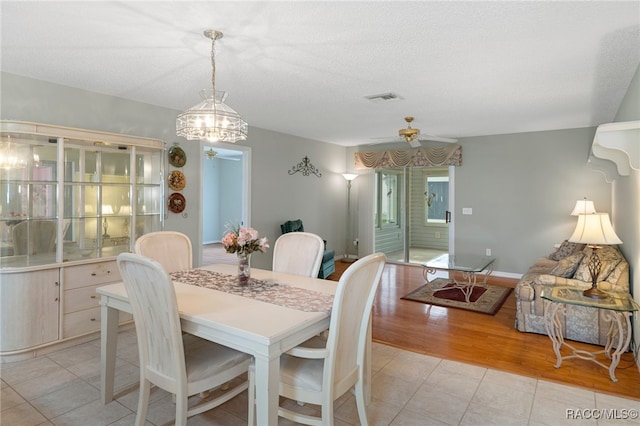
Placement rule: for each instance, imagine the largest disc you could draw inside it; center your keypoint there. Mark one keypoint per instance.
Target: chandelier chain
(213, 65)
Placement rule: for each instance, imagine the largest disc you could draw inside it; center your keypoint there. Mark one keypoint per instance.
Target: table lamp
(106, 210)
(583, 206)
(594, 230)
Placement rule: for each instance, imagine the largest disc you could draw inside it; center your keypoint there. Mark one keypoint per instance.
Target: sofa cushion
(566, 249)
(567, 267)
(609, 256)
(542, 266)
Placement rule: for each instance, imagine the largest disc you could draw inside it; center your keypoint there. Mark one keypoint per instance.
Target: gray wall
(276, 196)
(522, 188)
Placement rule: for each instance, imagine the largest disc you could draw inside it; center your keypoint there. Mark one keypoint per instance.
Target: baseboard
(506, 275)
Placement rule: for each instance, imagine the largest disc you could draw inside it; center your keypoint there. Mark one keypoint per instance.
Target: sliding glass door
(412, 213)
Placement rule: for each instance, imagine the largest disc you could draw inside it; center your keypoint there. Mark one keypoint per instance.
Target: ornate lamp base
(595, 293)
(594, 268)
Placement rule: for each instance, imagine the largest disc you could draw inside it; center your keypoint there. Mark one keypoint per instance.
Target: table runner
(270, 292)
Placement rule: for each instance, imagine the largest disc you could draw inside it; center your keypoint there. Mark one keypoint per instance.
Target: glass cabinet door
(149, 187)
(28, 198)
(107, 193)
(97, 206)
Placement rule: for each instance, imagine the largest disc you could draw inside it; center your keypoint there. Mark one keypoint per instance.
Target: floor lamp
(349, 177)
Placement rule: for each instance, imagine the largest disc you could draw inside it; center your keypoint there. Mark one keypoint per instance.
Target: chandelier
(212, 119)
(12, 156)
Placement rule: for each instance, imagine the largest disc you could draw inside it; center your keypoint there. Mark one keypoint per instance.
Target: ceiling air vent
(383, 97)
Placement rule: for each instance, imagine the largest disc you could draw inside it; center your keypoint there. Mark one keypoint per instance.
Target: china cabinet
(71, 200)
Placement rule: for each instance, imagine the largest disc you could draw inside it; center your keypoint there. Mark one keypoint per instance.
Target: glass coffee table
(618, 308)
(469, 265)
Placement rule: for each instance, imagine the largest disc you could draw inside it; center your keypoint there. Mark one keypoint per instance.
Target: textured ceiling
(304, 68)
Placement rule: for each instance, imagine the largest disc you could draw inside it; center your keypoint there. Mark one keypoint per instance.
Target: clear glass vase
(244, 268)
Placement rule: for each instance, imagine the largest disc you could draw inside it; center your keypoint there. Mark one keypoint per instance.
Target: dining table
(271, 314)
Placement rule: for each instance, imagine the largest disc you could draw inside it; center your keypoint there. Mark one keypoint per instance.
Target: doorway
(412, 216)
(225, 191)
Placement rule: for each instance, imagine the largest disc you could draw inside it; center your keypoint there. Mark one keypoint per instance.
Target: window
(387, 198)
(436, 198)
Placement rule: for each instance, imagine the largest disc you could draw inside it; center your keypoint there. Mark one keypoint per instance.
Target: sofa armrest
(547, 279)
(524, 292)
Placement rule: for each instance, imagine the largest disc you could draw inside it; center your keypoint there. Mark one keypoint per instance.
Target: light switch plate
(467, 210)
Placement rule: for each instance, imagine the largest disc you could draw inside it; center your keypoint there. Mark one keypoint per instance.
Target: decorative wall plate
(177, 157)
(177, 203)
(176, 180)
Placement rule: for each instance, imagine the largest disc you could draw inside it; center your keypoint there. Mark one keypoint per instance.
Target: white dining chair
(171, 249)
(298, 253)
(183, 365)
(320, 370)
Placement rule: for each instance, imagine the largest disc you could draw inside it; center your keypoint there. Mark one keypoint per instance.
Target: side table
(618, 308)
(470, 265)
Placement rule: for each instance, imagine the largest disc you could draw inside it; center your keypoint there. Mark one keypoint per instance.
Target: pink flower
(229, 239)
(264, 244)
(244, 240)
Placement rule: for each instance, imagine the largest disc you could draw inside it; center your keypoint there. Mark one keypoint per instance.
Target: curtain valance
(446, 155)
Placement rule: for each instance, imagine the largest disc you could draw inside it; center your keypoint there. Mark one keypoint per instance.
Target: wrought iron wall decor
(305, 167)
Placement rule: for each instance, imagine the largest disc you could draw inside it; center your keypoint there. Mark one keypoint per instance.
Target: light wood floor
(484, 340)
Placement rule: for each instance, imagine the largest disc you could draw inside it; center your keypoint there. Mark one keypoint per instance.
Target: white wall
(626, 212)
(210, 201)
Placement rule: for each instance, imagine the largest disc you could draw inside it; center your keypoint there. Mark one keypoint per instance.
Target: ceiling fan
(412, 136)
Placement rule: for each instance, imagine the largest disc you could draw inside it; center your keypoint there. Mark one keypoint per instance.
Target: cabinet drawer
(82, 298)
(90, 274)
(86, 321)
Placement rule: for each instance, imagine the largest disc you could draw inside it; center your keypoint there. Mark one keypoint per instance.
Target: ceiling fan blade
(434, 138)
(381, 140)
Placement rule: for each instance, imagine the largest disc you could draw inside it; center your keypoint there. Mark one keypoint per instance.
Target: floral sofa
(567, 266)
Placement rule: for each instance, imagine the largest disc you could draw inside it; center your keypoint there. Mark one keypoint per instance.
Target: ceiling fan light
(409, 133)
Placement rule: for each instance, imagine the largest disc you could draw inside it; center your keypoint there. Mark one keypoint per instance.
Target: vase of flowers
(243, 242)
(244, 268)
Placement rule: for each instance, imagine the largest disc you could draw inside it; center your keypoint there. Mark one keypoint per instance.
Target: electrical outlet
(467, 210)
(488, 252)
(437, 235)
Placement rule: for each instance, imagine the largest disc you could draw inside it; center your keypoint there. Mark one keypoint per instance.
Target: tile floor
(62, 388)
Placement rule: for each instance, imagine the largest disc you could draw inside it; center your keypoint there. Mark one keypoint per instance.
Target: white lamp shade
(349, 176)
(594, 229)
(583, 207)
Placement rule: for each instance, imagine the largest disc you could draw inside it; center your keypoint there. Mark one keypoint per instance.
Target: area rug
(485, 300)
